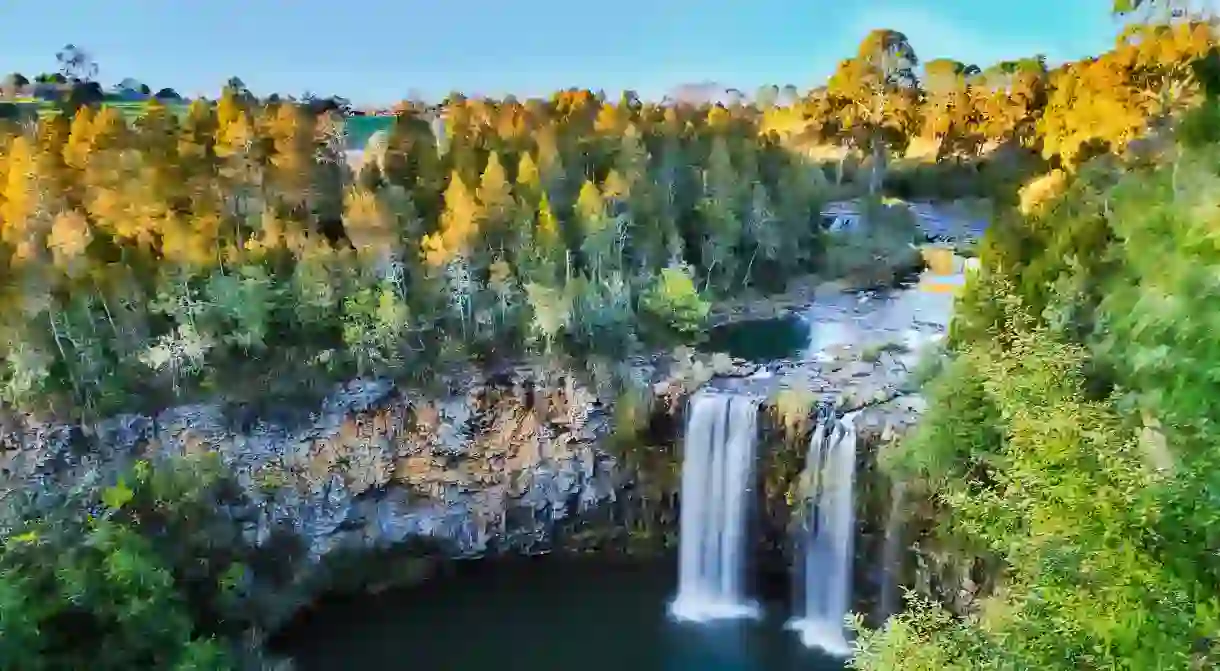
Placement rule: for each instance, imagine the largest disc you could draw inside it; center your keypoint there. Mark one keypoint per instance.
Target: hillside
(1069, 452)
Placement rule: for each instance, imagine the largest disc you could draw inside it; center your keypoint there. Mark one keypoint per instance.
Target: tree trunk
(876, 171)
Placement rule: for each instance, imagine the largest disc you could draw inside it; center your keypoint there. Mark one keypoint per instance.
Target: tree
(291, 182)
(1009, 98)
(75, 64)
(949, 117)
(766, 239)
(595, 228)
(496, 202)
(549, 250)
(238, 89)
(721, 216)
(413, 161)
(130, 84)
(528, 185)
(151, 580)
(459, 225)
(674, 301)
(237, 149)
(790, 95)
(372, 225)
(767, 96)
(14, 85)
(875, 94)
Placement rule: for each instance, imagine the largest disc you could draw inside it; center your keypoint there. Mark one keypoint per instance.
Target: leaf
(117, 496)
(30, 536)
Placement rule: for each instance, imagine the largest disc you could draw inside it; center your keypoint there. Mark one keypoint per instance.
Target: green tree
(150, 581)
(721, 218)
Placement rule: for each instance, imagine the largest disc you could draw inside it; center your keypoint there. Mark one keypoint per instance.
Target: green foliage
(1059, 488)
(1071, 435)
(242, 306)
(959, 430)
(674, 302)
(552, 311)
(117, 496)
(882, 249)
(375, 323)
(926, 638)
(602, 318)
(150, 580)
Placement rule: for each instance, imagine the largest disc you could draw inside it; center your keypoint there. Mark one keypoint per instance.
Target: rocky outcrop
(525, 460)
(496, 466)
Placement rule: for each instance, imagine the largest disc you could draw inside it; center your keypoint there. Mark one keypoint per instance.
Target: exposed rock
(524, 461)
(492, 468)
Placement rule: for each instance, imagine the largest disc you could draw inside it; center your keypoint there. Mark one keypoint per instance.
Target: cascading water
(717, 478)
(830, 531)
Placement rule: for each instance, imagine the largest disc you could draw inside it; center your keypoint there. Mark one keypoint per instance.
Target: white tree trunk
(876, 171)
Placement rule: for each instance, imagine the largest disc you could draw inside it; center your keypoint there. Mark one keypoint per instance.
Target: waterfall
(830, 529)
(717, 481)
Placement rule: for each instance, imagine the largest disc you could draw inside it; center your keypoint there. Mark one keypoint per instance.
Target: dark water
(760, 340)
(539, 615)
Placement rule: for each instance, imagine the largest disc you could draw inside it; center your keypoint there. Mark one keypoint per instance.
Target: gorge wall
(377, 484)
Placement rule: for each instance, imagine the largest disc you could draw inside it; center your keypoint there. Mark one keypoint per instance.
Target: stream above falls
(904, 319)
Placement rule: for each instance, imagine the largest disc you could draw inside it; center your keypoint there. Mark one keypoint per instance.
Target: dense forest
(1069, 435)
(1070, 441)
(165, 256)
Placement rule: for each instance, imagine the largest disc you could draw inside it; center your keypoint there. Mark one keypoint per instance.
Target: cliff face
(493, 467)
(523, 461)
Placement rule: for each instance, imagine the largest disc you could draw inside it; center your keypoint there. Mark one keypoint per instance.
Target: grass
(130, 109)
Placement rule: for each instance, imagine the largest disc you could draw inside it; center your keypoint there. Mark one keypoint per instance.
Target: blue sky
(376, 51)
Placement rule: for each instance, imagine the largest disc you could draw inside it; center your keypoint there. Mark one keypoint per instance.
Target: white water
(827, 580)
(717, 484)
(915, 317)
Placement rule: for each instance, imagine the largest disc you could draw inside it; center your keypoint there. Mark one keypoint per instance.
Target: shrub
(880, 252)
(675, 305)
(1058, 487)
(1072, 435)
(148, 578)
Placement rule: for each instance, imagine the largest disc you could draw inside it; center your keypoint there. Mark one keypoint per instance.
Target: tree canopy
(168, 252)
